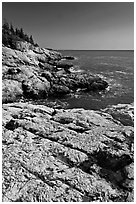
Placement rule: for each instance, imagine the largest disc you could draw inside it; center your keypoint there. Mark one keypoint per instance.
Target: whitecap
(121, 72)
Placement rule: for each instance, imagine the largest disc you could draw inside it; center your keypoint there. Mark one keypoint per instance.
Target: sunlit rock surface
(66, 155)
(37, 73)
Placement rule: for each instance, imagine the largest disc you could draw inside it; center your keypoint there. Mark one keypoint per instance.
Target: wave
(121, 72)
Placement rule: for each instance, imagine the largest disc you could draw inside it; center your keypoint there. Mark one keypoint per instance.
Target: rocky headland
(32, 73)
(69, 155)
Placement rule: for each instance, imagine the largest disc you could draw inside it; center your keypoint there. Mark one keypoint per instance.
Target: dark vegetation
(11, 35)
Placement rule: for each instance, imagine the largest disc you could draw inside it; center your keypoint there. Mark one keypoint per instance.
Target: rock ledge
(69, 155)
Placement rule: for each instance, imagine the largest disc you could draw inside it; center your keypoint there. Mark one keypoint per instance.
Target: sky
(75, 25)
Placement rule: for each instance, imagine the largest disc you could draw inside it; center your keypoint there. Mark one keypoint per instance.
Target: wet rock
(46, 158)
(59, 90)
(98, 85)
(64, 65)
(85, 82)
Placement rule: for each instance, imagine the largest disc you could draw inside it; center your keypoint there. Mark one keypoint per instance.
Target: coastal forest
(10, 35)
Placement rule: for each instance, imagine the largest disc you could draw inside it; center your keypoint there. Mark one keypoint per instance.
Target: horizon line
(92, 50)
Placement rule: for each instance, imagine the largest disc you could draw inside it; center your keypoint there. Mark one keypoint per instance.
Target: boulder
(35, 88)
(59, 90)
(64, 65)
(98, 85)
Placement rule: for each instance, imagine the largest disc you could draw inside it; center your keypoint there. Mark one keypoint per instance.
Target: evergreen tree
(11, 35)
(17, 32)
(26, 38)
(5, 33)
(21, 33)
(5, 25)
(12, 29)
(31, 40)
(5, 39)
(36, 45)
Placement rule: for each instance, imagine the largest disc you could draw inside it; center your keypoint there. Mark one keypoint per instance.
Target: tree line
(10, 35)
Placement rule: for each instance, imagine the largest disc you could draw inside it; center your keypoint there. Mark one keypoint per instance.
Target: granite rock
(122, 112)
(73, 155)
(39, 73)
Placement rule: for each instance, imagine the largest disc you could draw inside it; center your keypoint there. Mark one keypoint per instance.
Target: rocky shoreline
(61, 155)
(33, 73)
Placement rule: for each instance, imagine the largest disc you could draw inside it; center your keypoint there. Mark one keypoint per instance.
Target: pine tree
(21, 33)
(17, 32)
(11, 35)
(5, 33)
(5, 39)
(26, 38)
(5, 25)
(5, 29)
(31, 39)
(12, 29)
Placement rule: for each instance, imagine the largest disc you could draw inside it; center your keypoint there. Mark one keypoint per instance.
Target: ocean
(116, 67)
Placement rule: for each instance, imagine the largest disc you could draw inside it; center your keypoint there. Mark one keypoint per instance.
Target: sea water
(115, 67)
